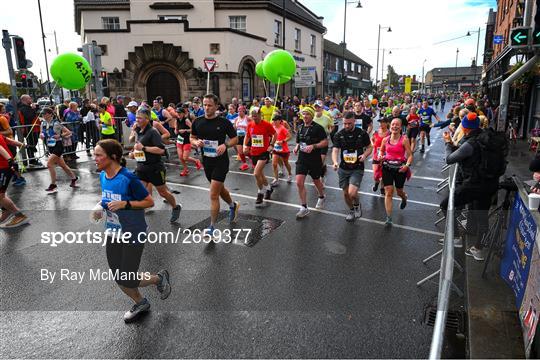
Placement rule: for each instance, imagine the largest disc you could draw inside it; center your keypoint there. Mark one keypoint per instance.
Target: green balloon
(279, 66)
(259, 69)
(71, 71)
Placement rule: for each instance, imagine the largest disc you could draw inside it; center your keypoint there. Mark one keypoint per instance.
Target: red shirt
(282, 134)
(260, 135)
(4, 162)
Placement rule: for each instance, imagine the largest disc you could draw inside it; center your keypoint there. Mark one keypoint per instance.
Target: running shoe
(136, 311)
(320, 203)
(350, 216)
(233, 212)
(280, 173)
(268, 194)
(458, 243)
(375, 187)
(358, 211)
(388, 221)
(164, 286)
(428, 141)
(477, 254)
(289, 179)
(302, 213)
(382, 190)
(198, 165)
(53, 188)
(176, 213)
(14, 221)
(209, 231)
(244, 167)
(403, 204)
(74, 182)
(260, 197)
(4, 215)
(184, 172)
(274, 183)
(19, 181)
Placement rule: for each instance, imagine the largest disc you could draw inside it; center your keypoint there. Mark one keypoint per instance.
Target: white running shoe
(320, 203)
(302, 213)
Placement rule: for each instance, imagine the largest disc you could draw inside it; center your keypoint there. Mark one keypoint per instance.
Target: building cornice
(81, 6)
(171, 5)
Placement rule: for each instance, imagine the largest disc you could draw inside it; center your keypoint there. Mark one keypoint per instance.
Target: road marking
(405, 227)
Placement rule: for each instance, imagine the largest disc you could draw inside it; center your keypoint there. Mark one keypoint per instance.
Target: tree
(5, 89)
(393, 77)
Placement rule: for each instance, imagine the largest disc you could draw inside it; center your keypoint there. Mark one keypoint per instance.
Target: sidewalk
(493, 324)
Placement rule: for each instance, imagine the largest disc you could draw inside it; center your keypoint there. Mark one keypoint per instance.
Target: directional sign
(498, 39)
(209, 64)
(519, 37)
(536, 37)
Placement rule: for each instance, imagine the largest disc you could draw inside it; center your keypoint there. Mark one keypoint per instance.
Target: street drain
(455, 320)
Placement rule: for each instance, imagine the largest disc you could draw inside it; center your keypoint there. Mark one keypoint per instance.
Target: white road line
(405, 227)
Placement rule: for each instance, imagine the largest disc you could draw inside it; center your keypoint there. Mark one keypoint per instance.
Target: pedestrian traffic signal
(24, 81)
(20, 52)
(104, 80)
(519, 37)
(536, 30)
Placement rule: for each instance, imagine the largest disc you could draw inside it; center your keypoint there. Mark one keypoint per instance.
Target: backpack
(493, 152)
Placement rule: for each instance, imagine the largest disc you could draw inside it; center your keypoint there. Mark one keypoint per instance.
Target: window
(345, 64)
(359, 69)
(277, 32)
(172, 17)
(214, 49)
(110, 23)
(103, 49)
(312, 46)
(337, 64)
(238, 23)
(247, 84)
(352, 67)
(297, 36)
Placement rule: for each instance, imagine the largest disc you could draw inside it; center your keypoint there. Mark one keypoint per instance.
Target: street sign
(498, 39)
(519, 37)
(536, 37)
(209, 64)
(305, 77)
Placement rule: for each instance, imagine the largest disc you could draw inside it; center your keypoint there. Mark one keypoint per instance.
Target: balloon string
(275, 100)
(265, 91)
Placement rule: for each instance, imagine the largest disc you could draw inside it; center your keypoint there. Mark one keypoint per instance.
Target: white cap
(132, 103)
(318, 103)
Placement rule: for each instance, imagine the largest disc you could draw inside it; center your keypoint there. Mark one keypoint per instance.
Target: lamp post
(455, 70)
(344, 44)
(476, 57)
(423, 79)
(389, 29)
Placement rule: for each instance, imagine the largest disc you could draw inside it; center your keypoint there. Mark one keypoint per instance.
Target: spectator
(7, 131)
(90, 123)
(132, 110)
(121, 114)
(62, 109)
(30, 132)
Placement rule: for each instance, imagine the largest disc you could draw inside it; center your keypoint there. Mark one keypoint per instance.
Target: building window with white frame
(277, 32)
(110, 22)
(237, 23)
(297, 37)
(345, 65)
(337, 64)
(312, 45)
(172, 17)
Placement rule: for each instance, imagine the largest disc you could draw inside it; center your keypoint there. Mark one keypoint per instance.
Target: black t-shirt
(182, 137)
(383, 105)
(309, 135)
(149, 137)
(366, 120)
(352, 145)
(210, 131)
(120, 111)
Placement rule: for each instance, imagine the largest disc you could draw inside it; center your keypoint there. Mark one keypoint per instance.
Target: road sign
(209, 64)
(536, 37)
(305, 77)
(519, 37)
(498, 39)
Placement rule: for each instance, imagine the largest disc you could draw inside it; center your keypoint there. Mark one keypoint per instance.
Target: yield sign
(209, 64)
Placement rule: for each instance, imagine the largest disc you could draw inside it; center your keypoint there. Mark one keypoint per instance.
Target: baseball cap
(268, 98)
(133, 103)
(318, 103)
(470, 121)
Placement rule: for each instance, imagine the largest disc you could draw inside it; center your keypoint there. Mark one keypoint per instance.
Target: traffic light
(104, 80)
(536, 29)
(24, 81)
(20, 53)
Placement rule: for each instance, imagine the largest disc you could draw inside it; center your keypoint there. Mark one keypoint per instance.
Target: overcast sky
(416, 26)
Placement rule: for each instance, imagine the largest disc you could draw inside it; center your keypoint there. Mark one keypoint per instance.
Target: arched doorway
(163, 83)
(247, 84)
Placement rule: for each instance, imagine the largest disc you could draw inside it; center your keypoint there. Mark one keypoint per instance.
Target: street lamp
(358, 6)
(389, 29)
(455, 71)
(382, 65)
(423, 79)
(476, 57)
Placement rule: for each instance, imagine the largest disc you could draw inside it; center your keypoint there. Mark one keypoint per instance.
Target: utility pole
(6, 42)
(45, 48)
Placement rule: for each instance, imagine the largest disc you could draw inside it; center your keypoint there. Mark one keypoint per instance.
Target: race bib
(350, 157)
(303, 146)
(180, 138)
(112, 221)
(278, 147)
(210, 148)
(358, 123)
(139, 155)
(257, 141)
(51, 142)
(241, 132)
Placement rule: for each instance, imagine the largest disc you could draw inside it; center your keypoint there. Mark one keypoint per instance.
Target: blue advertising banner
(520, 238)
(497, 39)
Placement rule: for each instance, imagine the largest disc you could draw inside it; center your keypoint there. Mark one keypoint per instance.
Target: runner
(209, 133)
(11, 215)
(363, 120)
(281, 150)
(52, 132)
(241, 124)
(311, 137)
(232, 114)
(259, 143)
(147, 151)
(328, 125)
(413, 125)
(106, 122)
(183, 145)
(164, 118)
(336, 116)
(267, 110)
(354, 147)
(376, 141)
(124, 199)
(426, 124)
(396, 162)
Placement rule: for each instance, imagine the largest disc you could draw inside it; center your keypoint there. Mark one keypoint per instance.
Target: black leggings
(126, 259)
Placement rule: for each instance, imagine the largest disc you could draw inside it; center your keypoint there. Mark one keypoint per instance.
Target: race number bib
(210, 148)
(303, 146)
(278, 147)
(257, 141)
(112, 221)
(241, 132)
(358, 123)
(139, 155)
(179, 139)
(51, 142)
(350, 157)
